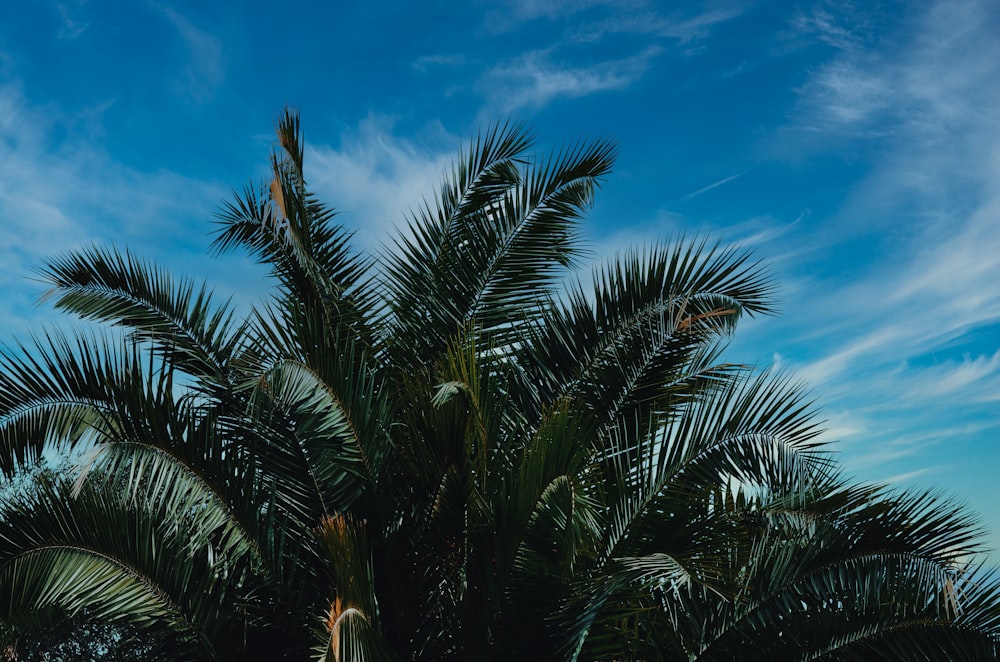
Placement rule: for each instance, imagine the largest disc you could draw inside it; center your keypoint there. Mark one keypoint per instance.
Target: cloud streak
(539, 77)
(374, 177)
(526, 10)
(205, 68)
(534, 79)
(71, 26)
(891, 332)
(60, 191)
(713, 185)
(680, 28)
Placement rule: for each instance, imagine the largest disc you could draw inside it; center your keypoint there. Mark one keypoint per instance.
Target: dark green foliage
(446, 452)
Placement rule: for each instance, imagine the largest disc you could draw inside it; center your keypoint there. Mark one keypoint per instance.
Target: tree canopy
(456, 448)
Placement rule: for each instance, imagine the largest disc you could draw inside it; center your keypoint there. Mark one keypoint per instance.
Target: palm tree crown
(446, 451)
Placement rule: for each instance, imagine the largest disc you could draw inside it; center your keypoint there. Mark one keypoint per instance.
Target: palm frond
(98, 553)
(182, 321)
(495, 227)
(652, 313)
(320, 392)
(61, 391)
(285, 226)
(351, 623)
(754, 430)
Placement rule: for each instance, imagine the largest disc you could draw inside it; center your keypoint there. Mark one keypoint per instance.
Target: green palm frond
(290, 395)
(352, 639)
(317, 390)
(521, 245)
(174, 477)
(560, 448)
(486, 261)
(119, 562)
(287, 228)
(850, 567)
(183, 322)
(65, 392)
(351, 622)
(488, 170)
(753, 430)
(651, 314)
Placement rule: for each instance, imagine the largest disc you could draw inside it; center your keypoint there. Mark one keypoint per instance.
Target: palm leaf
(57, 551)
(183, 322)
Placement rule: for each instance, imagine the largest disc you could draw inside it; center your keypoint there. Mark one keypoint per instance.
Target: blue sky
(855, 150)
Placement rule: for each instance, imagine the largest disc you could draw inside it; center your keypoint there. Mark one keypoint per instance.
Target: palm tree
(447, 451)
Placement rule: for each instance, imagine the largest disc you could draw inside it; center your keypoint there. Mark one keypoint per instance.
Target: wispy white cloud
(938, 171)
(526, 10)
(71, 25)
(426, 62)
(973, 379)
(833, 365)
(375, 177)
(713, 185)
(906, 476)
(847, 94)
(205, 68)
(591, 20)
(535, 79)
(766, 229)
(60, 190)
(682, 28)
(538, 77)
(840, 24)
(924, 84)
(880, 337)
